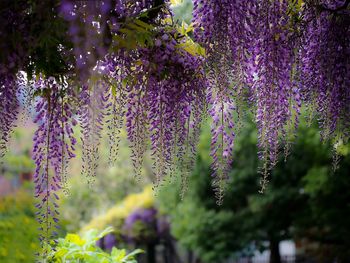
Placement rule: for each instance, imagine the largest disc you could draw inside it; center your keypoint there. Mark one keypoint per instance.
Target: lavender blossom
(325, 63)
(54, 146)
(9, 107)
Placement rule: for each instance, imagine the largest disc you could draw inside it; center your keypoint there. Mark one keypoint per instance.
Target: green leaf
(135, 252)
(105, 232)
(143, 24)
(75, 239)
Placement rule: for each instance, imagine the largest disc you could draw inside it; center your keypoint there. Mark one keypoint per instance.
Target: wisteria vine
(9, 108)
(54, 146)
(325, 64)
(128, 65)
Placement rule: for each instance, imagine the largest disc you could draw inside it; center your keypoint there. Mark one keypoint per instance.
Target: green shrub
(18, 228)
(74, 248)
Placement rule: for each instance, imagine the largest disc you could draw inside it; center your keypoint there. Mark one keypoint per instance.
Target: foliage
(304, 200)
(18, 160)
(182, 10)
(120, 211)
(114, 183)
(74, 248)
(136, 220)
(18, 228)
(211, 234)
(16, 164)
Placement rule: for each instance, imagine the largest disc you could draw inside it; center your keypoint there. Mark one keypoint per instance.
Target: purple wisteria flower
(9, 106)
(141, 224)
(325, 63)
(164, 105)
(54, 146)
(109, 241)
(251, 53)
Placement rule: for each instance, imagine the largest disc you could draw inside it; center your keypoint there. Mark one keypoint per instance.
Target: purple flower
(163, 227)
(143, 215)
(10, 86)
(53, 148)
(109, 241)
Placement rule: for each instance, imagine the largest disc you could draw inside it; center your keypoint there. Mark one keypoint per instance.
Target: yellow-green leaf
(75, 239)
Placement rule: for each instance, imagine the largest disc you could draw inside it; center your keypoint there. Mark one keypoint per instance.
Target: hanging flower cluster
(325, 67)
(162, 87)
(214, 21)
(273, 90)
(268, 61)
(54, 145)
(9, 107)
(13, 25)
(93, 101)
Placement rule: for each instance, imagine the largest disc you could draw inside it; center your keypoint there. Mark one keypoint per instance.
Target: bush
(74, 248)
(18, 228)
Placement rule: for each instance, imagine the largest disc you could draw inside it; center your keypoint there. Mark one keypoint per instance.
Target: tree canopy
(305, 200)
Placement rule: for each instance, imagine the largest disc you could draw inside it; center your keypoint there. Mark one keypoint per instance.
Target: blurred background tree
(183, 10)
(113, 183)
(18, 228)
(305, 201)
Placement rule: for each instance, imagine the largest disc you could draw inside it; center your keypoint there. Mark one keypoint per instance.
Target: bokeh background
(303, 216)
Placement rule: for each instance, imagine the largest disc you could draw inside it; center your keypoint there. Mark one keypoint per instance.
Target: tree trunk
(151, 253)
(189, 257)
(275, 256)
